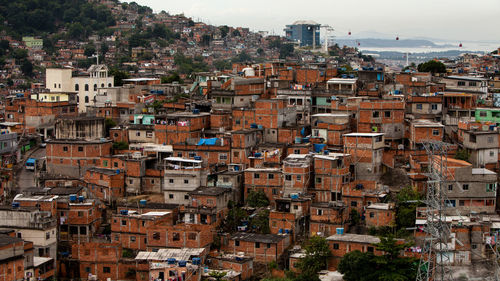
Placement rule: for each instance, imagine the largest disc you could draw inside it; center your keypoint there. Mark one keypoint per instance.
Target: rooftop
(348, 237)
(209, 191)
(183, 254)
(364, 134)
(482, 171)
(254, 237)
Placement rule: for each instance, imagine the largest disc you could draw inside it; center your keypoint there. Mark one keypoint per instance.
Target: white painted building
(62, 80)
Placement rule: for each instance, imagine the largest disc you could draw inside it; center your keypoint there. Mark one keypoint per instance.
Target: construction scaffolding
(435, 257)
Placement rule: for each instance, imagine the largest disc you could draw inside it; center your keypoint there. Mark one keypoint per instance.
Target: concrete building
(181, 177)
(62, 79)
(305, 33)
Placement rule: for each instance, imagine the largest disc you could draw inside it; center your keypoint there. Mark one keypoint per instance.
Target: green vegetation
(432, 66)
(118, 75)
(315, 260)
(186, 65)
(257, 199)
(121, 145)
(406, 206)
(174, 77)
(260, 222)
(128, 253)
(217, 275)
(462, 154)
(80, 17)
(286, 49)
(358, 266)
(234, 218)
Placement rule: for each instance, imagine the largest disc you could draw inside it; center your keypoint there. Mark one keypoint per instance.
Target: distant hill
(33, 17)
(385, 43)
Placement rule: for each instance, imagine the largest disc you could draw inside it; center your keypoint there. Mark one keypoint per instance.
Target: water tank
(298, 139)
(117, 171)
(287, 231)
(81, 199)
(197, 158)
(171, 261)
(72, 198)
(249, 72)
(182, 263)
(260, 127)
(196, 111)
(294, 195)
(280, 231)
(253, 126)
(124, 212)
(340, 230)
(258, 154)
(326, 152)
(143, 202)
(15, 205)
(196, 261)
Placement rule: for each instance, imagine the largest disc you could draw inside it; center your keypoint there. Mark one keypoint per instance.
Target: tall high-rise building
(306, 33)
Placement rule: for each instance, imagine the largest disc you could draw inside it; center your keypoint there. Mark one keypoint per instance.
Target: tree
(316, 257)
(27, 68)
(224, 30)
(174, 77)
(89, 50)
(432, 66)
(389, 266)
(406, 206)
(234, 218)
(76, 31)
(257, 199)
(286, 50)
(260, 222)
(20, 54)
(236, 33)
(118, 75)
(462, 154)
(260, 51)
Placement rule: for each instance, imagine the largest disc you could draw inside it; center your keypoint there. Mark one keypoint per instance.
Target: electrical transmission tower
(435, 250)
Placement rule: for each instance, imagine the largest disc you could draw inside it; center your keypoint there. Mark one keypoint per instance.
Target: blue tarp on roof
(211, 141)
(318, 147)
(31, 161)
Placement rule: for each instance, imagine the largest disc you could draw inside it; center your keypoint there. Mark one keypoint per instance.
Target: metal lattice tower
(434, 258)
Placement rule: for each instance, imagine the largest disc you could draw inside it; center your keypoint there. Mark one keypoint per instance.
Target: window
(170, 180)
(132, 238)
(490, 139)
(149, 134)
(491, 187)
(186, 181)
(256, 176)
(270, 176)
(109, 85)
(465, 186)
(461, 203)
(492, 153)
(461, 83)
(419, 106)
(257, 245)
(171, 196)
(236, 154)
(275, 191)
(80, 149)
(268, 245)
(372, 215)
(474, 246)
(105, 163)
(87, 269)
(435, 132)
(450, 187)
(47, 235)
(375, 114)
(102, 85)
(482, 113)
(354, 204)
(176, 236)
(295, 207)
(237, 121)
(80, 213)
(434, 106)
(124, 222)
(236, 242)
(192, 236)
(86, 99)
(318, 180)
(156, 236)
(319, 212)
(369, 249)
(335, 246)
(387, 114)
(77, 87)
(138, 134)
(86, 87)
(222, 156)
(186, 197)
(106, 269)
(472, 84)
(95, 87)
(65, 148)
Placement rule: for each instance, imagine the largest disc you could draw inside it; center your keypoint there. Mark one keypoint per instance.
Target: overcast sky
(460, 20)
